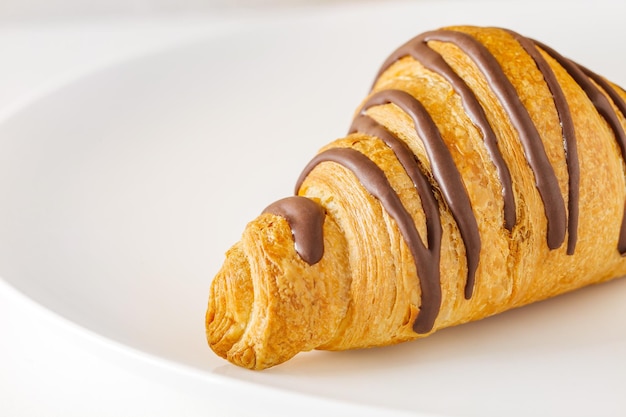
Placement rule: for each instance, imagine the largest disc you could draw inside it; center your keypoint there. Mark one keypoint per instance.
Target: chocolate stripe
(545, 178)
(377, 184)
(444, 171)
(430, 59)
(429, 271)
(603, 106)
(621, 105)
(368, 126)
(306, 220)
(569, 137)
(446, 174)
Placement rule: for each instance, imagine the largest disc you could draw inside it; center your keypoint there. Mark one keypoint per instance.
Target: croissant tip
(230, 304)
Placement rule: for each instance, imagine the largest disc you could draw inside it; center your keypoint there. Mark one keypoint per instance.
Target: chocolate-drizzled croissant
(483, 172)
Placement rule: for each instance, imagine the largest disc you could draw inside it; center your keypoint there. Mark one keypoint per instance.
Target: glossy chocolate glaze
(619, 135)
(584, 78)
(445, 173)
(428, 258)
(375, 182)
(306, 219)
(545, 178)
(419, 50)
(569, 137)
(368, 126)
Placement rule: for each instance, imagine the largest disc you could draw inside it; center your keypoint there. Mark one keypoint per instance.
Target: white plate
(122, 190)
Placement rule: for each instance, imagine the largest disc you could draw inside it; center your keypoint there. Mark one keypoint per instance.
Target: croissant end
(248, 324)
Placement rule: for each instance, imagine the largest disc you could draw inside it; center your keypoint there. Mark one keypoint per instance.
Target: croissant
(483, 172)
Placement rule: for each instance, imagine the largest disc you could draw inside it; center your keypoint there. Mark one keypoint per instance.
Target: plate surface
(122, 190)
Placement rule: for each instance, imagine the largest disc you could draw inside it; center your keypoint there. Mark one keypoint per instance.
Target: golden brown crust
(267, 304)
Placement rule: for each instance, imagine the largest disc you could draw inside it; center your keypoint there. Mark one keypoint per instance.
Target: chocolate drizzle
(445, 173)
(569, 136)
(375, 182)
(368, 126)
(430, 59)
(545, 178)
(621, 140)
(584, 79)
(306, 219)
